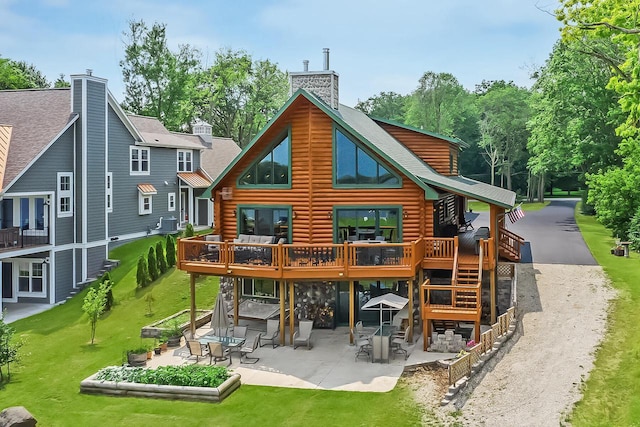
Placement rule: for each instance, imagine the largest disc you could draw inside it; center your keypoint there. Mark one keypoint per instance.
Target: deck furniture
(240, 332)
(273, 330)
(400, 343)
(218, 353)
(381, 343)
(249, 350)
(196, 349)
(363, 346)
(303, 335)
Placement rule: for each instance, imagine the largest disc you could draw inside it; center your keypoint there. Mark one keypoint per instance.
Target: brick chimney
(324, 84)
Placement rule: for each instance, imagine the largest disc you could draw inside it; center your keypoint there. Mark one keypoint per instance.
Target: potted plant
(174, 334)
(137, 356)
(156, 347)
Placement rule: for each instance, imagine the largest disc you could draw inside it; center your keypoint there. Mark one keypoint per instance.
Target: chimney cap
(325, 51)
(89, 71)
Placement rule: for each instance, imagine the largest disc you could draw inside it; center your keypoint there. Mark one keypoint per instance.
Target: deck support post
(292, 312)
(494, 232)
(410, 308)
(236, 310)
(352, 298)
(192, 291)
(477, 331)
(283, 293)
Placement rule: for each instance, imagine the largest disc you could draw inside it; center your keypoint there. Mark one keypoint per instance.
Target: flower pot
(136, 359)
(174, 341)
(163, 346)
(157, 350)
(149, 354)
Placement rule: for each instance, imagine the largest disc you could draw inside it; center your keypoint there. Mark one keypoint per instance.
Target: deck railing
(510, 243)
(439, 247)
(13, 238)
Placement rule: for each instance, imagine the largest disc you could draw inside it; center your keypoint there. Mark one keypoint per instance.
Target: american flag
(515, 214)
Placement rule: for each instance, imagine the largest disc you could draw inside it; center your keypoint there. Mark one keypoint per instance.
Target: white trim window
(109, 192)
(65, 194)
(31, 279)
(139, 160)
(185, 161)
(171, 202)
(145, 204)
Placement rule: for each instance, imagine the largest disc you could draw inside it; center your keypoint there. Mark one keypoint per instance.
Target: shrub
(189, 375)
(142, 275)
(188, 230)
(634, 231)
(161, 258)
(152, 264)
(171, 251)
(9, 349)
(106, 278)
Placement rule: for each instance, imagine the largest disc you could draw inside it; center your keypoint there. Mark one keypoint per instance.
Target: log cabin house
(327, 208)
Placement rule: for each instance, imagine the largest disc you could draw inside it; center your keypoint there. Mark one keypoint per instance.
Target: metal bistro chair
(196, 349)
(248, 350)
(363, 346)
(273, 330)
(218, 353)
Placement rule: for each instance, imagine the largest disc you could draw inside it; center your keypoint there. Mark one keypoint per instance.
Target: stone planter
(155, 331)
(202, 394)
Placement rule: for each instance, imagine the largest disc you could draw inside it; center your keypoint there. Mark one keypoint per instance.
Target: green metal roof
(390, 149)
(453, 140)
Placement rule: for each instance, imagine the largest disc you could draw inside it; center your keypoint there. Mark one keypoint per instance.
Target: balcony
(15, 238)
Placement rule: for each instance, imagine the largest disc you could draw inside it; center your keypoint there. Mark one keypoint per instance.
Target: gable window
(109, 192)
(30, 278)
(171, 205)
(65, 194)
(271, 169)
(184, 161)
(355, 167)
(265, 221)
(139, 163)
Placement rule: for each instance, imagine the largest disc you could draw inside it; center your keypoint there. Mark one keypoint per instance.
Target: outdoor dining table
(232, 343)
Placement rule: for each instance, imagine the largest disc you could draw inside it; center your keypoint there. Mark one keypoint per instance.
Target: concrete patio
(329, 365)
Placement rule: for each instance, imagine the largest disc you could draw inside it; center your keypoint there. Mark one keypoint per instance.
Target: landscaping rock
(17, 416)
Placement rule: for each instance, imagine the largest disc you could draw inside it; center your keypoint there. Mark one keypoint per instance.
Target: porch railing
(16, 238)
(510, 244)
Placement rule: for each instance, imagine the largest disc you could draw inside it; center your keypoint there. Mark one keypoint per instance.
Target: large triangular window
(355, 167)
(272, 169)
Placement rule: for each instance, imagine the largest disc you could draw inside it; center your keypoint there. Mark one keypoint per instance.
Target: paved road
(551, 235)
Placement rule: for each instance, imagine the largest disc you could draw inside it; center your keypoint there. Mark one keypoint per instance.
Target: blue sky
(375, 45)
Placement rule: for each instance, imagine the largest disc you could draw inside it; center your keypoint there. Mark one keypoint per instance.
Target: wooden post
(236, 310)
(192, 286)
(477, 332)
(283, 292)
(494, 232)
(352, 316)
(410, 308)
(292, 312)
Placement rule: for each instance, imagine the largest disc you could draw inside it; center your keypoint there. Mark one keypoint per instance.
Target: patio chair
(273, 330)
(361, 331)
(401, 344)
(240, 332)
(363, 346)
(196, 349)
(218, 353)
(248, 350)
(303, 334)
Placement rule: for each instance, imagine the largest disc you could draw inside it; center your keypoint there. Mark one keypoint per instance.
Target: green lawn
(477, 206)
(612, 392)
(57, 356)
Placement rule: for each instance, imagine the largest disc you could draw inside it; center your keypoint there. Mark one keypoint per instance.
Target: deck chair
(400, 344)
(218, 353)
(196, 349)
(273, 330)
(465, 224)
(248, 350)
(363, 346)
(240, 332)
(303, 334)
(361, 331)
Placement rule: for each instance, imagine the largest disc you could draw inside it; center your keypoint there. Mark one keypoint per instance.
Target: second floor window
(184, 161)
(139, 161)
(272, 169)
(65, 194)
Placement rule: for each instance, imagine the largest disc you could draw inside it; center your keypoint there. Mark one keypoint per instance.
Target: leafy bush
(188, 375)
(634, 231)
(171, 251)
(161, 258)
(152, 264)
(142, 274)
(9, 349)
(106, 278)
(188, 230)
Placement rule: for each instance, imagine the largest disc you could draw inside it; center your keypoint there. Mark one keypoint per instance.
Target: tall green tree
(385, 105)
(158, 82)
(237, 96)
(170, 246)
(94, 304)
(20, 75)
(152, 264)
(504, 112)
(616, 21)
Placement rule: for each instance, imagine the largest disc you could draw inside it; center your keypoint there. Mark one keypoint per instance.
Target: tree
(61, 81)
(34, 77)
(386, 105)
(437, 103)
(106, 278)
(9, 348)
(171, 251)
(504, 112)
(94, 304)
(237, 96)
(158, 82)
(161, 258)
(152, 264)
(142, 273)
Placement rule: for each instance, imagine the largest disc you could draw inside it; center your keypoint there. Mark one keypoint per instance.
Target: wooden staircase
(467, 275)
(510, 245)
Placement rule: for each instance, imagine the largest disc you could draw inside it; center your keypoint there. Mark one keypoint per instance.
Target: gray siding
(77, 253)
(125, 218)
(42, 176)
(95, 260)
(96, 104)
(63, 274)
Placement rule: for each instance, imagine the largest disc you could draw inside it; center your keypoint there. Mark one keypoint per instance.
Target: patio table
(232, 343)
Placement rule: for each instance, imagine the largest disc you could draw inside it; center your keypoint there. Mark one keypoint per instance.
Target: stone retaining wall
(201, 394)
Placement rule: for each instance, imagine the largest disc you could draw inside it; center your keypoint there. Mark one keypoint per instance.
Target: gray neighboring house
(79, 176)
